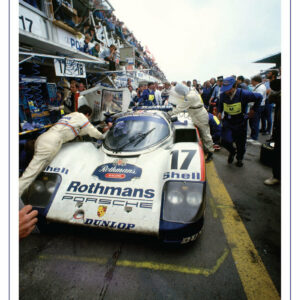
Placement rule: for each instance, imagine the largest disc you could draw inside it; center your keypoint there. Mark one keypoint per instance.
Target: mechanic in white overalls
(191, 102)
(49, 143)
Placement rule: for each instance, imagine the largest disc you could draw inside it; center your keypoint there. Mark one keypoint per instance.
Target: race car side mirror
(174, 119)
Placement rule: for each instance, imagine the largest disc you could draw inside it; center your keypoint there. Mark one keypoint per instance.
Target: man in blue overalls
(148, 97)
(233, 102)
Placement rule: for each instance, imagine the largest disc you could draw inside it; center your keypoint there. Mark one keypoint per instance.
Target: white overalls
(49, 143)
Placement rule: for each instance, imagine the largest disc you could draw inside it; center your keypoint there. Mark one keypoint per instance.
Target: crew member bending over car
(192, 102)
(49, 143)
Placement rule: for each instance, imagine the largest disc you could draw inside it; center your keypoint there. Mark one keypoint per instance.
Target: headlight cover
(41, 192)
(183, 202)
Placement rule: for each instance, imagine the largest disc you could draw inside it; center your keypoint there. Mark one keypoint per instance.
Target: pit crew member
(192, 102)
(233, 102)
(49, 143)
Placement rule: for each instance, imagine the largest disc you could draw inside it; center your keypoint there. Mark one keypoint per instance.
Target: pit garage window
(135, 133)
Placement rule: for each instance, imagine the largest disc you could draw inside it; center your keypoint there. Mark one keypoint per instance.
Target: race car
(147, 177)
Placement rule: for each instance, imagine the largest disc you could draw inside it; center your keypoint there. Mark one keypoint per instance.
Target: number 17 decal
(186, 162)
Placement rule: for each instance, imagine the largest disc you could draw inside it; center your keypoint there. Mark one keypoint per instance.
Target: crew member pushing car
(192, 102)
(233, 102)
(49, 143)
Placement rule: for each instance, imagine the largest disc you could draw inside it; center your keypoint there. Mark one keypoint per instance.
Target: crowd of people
(232, 105)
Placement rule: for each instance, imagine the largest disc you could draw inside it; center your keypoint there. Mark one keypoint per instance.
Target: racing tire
(267, 154)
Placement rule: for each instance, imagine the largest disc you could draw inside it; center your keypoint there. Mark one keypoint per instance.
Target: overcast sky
(200, 39)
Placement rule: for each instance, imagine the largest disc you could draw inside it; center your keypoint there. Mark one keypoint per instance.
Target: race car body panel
(140, 182)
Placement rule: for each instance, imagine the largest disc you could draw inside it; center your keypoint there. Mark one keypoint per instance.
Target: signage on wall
(69, 68)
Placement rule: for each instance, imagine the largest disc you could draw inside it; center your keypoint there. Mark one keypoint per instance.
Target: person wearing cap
(233, 102)
(148, 96)
(49, 143)
(191, 102)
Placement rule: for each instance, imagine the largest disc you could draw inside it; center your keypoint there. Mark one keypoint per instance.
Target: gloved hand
(99, 142)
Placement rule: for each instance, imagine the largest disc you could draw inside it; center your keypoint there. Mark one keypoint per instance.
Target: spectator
(266, 119)
(241, 84)
(165, 92)
(133, 95)
(148, 96)
(157, 94)
(81, 87)
(254, 118)
(109, 55)
(206, 93)
(70, 101)
(275, 97)
(189, 84)
(84, 44)
(96, 50)
(248, 84)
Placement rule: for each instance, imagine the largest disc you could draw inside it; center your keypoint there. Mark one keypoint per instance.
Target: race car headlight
(175, 197)
(183, 201)
(42, 190)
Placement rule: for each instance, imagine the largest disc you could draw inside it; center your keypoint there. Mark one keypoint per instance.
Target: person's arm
(252, 97)
(182, 106)
(213, 96)
(27, 221)
(220, 107)
(89, 129)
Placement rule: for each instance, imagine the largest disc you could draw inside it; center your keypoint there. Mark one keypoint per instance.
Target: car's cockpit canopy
(136, 133)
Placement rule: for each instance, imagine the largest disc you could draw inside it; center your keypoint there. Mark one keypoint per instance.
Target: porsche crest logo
(101, 210)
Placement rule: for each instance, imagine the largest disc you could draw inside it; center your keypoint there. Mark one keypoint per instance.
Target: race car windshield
(135, 133)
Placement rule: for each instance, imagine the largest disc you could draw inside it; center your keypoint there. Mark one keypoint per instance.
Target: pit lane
(74, 264)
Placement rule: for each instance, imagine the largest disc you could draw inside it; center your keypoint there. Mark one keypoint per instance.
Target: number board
(32, 22)
(69, 68)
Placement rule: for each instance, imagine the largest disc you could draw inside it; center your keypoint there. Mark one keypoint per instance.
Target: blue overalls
(147, 99)
(215, 128)
(235, 119)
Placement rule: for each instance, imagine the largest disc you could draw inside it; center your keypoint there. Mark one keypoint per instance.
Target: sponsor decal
(128, 204)
(101, 210)
(184, 176)
(119, 170)
(57, 170)
(189, 238)
(109, 224)
(98, 189)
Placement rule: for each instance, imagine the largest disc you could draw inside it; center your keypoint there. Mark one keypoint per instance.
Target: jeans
(266, 117)
(254, 123)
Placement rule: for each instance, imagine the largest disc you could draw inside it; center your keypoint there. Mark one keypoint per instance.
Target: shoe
(231, 157)
(239, 163)
(271, 181)
(266, 133)
(216, 147)
(262, 130)
(250, 140)
(256, 143)
(209, 157)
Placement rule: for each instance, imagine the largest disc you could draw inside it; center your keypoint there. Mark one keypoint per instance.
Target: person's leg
(227, 142)
(277, 159)
(46, 147)
(240, 137)
(269, 117)
(255, 124)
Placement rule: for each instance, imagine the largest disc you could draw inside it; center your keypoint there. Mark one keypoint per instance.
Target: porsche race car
(147, 177)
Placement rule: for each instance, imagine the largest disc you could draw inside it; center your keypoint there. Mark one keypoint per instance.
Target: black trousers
(112, 64)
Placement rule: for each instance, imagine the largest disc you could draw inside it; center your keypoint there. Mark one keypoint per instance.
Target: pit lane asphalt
(74, 264)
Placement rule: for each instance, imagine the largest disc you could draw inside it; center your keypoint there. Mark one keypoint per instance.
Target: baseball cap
(227, 84)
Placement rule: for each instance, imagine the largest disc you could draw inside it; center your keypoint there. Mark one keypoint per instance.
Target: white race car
(147, 177)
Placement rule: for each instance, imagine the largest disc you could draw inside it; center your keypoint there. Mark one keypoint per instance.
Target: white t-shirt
(261, 89)
(158, 97)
